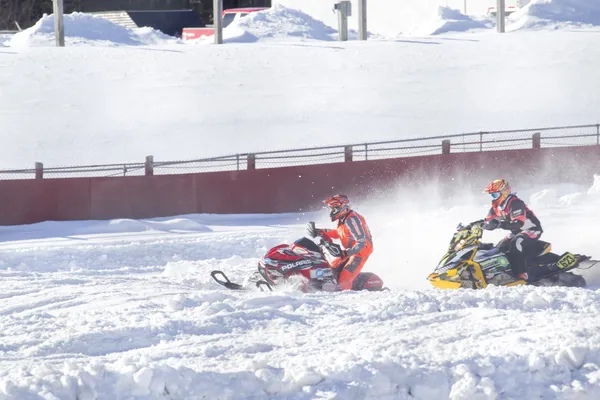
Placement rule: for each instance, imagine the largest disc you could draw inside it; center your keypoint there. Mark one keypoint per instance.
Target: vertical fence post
(251, 161)
(446, 146)
(598, 134)
(218, 21)
(124, 170)
(348, 154)
(237, 161)
(537, 140)
(500, 15)
(366, 151)
(362, 19)
(149, 165)
(480, 141)
(39, 170)
(59, 23)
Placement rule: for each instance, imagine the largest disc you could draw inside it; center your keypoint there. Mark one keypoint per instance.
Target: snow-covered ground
(99, 101)
(126, 309)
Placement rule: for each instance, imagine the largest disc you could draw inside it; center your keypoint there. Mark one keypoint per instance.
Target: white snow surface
(556, 14)
(277, 23)
(452, 20)
(86, 29)
(126, 309)
(393, 18)
(113, 104)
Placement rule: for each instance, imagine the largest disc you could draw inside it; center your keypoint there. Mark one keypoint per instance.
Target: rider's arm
(358, 233)
(491, 214)
(330, 234)
(516, 218)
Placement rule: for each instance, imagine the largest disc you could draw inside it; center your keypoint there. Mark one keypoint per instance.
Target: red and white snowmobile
(301, 264)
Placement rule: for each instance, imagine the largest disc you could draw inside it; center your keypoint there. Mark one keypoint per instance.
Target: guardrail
(564, 136)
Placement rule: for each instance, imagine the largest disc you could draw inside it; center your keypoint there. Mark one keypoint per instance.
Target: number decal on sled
(567, 261)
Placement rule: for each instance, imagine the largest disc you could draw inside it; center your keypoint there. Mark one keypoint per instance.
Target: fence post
(39, 170)
(218, 21)
(598, 134)
(348, 154)
(446, 146)
(59, 23)
(251, 161)
(237, 161)
(149, 165)
(537, 140)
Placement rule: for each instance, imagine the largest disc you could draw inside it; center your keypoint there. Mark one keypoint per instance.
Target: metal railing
(580, 135)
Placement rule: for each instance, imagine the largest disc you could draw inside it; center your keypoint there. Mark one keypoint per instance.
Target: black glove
(312, 231)
(510, 225)
(491, 224)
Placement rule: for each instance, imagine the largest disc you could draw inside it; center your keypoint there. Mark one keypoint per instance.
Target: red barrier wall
(34, 200)
(279, 190)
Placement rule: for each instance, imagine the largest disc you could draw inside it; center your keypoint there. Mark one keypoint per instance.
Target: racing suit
(353, 232)
(521, 245)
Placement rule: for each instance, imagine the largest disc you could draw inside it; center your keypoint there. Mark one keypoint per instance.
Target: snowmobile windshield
(462, 241)
(307, 244)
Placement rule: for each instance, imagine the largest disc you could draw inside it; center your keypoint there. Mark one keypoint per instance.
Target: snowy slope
(85, 29)
(385, 17)
(99, 104)
(556, 14)
(126, 309)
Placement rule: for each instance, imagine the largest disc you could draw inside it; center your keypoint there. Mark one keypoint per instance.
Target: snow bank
(278, 22)
(5, 39)
(85, 29)
(386, 17)
(452, 20)
(556, 14)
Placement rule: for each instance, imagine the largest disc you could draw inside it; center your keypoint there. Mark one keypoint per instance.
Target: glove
(312, 231)
(335, 250)
(491, 224)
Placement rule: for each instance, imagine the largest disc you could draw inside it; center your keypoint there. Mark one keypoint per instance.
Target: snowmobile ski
(224, 281)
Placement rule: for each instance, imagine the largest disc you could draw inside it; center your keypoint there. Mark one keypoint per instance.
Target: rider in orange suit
(353, 232)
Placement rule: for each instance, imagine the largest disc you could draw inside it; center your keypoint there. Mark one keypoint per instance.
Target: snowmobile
(303, 264)
(469, 263)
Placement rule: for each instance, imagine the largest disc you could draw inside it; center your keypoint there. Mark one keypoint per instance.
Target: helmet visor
(495, 195)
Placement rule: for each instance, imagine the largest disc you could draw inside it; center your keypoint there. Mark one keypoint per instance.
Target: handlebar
(470, 225)
(334, 249)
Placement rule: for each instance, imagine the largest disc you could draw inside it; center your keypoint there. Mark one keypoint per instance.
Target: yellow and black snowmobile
(468, 263)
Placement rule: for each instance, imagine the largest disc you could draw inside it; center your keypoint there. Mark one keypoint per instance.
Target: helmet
(500, 190)
(339, 205)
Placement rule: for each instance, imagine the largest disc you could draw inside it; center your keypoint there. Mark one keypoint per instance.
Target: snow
(556, 14)
(86, 29)
(385, 17)
(126, 308)
(108, 309)
(452, 20)
(277, 23)
(102, 104)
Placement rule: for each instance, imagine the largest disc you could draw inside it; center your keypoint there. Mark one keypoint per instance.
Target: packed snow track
(127, 309)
